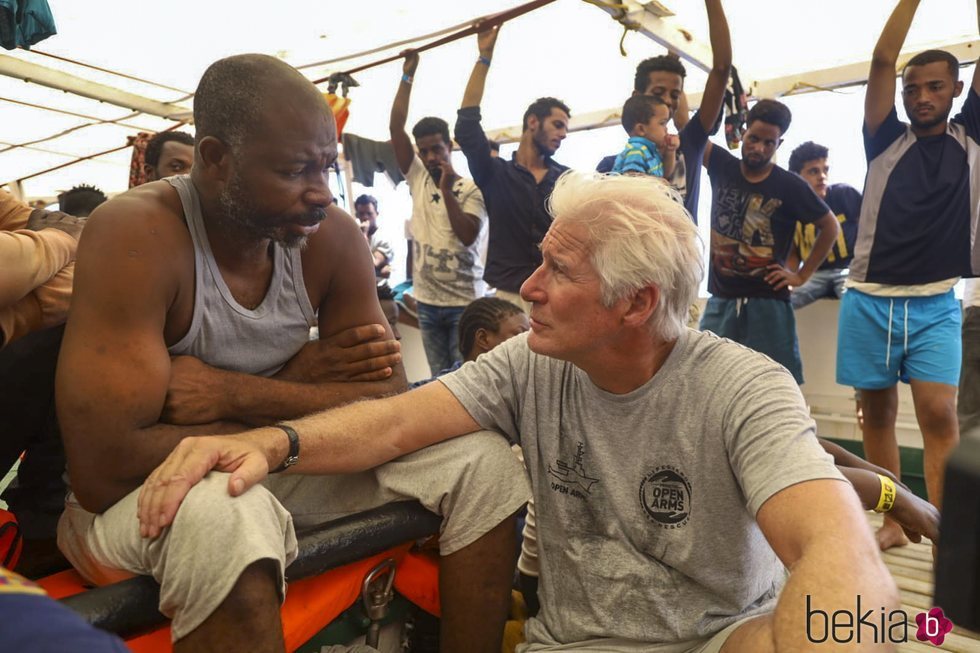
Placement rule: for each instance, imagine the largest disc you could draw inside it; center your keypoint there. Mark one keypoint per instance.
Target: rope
(62, 111)
(80, 159)
(70, 163)
(384, 48)
(70, 130)
(628, 25)
(111, 72)
(472, 28)
(41, 149)
(800, 86)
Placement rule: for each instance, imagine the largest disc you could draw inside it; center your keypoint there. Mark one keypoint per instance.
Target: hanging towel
(24, 23)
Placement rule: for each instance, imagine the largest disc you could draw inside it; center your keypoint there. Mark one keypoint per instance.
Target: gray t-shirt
(646, 501)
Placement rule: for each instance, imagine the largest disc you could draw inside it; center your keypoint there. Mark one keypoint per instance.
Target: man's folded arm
(335, 256)
(114, 366)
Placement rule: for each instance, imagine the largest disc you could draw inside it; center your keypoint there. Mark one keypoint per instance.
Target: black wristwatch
(293, 456)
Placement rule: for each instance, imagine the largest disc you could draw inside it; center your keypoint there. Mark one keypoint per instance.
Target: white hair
(639, 235)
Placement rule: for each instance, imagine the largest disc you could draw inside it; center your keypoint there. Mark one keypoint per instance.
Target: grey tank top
(225, 334)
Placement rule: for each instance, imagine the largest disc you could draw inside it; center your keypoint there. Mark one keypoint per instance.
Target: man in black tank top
(193, 302)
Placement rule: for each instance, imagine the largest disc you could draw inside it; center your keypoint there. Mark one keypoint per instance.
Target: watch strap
(293, 456)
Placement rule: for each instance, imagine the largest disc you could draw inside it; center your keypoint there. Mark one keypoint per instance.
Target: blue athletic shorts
(765, 325)
(883, 340)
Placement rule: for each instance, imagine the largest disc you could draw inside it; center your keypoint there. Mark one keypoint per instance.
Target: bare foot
(890, 535)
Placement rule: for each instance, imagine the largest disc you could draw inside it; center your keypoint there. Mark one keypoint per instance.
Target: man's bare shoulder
(140, 242)
(337, 233)
(150, 214)
(335, 247)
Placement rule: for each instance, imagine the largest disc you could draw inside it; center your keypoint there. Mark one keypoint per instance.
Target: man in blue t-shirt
(809, 161)
(899, 318)
(663, 77)
(754, 210)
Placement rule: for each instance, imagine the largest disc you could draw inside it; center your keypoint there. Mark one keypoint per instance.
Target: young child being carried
(650, 150)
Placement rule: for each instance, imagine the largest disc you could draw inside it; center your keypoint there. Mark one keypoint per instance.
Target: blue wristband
(484, 60)
(406, 79)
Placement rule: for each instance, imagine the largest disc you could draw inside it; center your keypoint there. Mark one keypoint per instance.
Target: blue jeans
(823, 283)
(440, 335)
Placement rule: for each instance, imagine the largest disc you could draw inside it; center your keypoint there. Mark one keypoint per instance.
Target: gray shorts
(474, 482)
(710, 644)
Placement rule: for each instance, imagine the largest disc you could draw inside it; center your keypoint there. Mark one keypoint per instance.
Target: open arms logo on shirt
(665, 494)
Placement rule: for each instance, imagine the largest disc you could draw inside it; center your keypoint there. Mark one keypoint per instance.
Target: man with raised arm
(515, 191)
(194, 300)
(754, 211)
(448, 227)
(676, 474)
(899, 319)
(663, 76)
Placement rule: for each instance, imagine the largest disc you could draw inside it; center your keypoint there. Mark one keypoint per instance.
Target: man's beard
(929, 124)
(756, 165)
(543, 148)
(239, 211)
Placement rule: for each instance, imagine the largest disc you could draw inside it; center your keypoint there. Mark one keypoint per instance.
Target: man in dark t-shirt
(899, 319)
(516, 191)
(754, 210)
(809, 161)
(663, 77)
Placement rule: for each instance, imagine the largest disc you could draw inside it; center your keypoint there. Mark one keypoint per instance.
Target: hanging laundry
(368, 157)
(340, 104)
(24, 23)
(340, 108)
(738, 111)
(137, 174)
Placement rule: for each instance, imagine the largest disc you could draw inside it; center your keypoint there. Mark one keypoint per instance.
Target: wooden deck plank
(911, 567)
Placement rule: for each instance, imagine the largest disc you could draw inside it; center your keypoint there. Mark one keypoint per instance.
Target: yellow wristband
(888, 493)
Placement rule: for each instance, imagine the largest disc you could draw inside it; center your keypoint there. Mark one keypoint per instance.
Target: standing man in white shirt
(448, 226)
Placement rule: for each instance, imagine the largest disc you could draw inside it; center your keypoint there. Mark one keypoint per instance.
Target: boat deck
(911, 567)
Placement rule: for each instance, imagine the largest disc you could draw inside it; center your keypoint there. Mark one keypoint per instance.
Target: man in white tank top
(194, 298)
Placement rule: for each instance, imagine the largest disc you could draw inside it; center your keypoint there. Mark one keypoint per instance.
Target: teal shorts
(766, 325)
(883, 340)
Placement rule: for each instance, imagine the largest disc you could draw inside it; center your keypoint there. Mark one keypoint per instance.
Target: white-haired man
(675, 475)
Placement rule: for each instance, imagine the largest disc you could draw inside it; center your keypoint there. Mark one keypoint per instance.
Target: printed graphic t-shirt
(752, 225)
(646, 503)
(445, 271)
(845, 203)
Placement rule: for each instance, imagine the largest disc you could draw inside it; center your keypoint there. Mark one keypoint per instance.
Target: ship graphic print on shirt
(572, 479)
